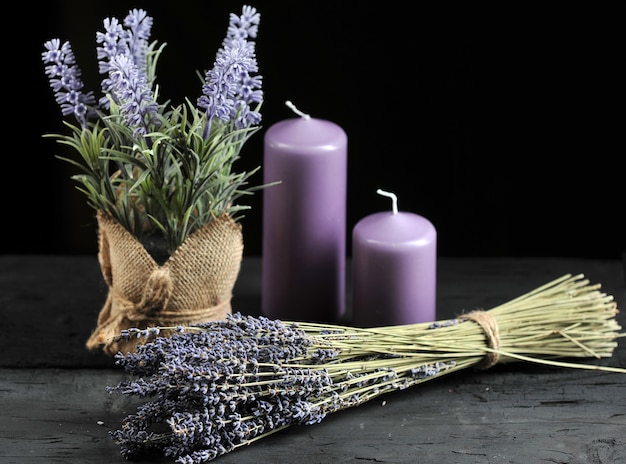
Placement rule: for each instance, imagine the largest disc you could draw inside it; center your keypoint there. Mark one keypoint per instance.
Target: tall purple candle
(304, 220)
(394, 269)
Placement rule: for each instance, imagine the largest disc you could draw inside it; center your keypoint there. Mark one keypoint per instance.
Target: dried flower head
(158, 168)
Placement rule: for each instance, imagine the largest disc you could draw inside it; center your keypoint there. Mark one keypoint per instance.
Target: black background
(503, 126)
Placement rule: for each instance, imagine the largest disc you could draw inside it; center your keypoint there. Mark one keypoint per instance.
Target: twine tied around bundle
(492, 335)
(194, 285)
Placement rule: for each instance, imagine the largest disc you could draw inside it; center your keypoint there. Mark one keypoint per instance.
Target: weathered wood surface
(54, 408)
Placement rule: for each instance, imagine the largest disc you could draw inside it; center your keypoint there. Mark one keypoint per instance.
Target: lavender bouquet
(154, 167)
(211, 388)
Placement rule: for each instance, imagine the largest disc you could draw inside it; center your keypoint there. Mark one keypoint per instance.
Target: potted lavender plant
(160, 177)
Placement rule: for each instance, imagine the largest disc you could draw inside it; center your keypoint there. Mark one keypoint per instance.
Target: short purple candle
(304, 220)
(394, 269)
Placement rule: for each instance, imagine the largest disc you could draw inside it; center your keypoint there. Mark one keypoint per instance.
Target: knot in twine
(154, 303)
(492, 335)
(154, 298)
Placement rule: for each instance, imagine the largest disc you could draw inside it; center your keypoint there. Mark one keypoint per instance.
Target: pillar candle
(304, 220)
(394, 261)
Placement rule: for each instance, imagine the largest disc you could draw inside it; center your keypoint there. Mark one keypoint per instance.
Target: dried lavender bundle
(211, 388)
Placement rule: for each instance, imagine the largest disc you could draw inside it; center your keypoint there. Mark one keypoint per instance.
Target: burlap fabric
(194, 285)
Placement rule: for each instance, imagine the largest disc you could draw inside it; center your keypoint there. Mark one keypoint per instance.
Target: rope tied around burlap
(156, 295)
(194, 285)
(492, 335)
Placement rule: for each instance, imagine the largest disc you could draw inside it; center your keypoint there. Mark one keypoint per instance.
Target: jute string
(492, 335)
(194, 285)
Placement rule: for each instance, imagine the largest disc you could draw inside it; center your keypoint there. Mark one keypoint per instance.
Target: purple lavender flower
(217, 387)
(139, 26)
(112, 45)
(222, 384)
(244, 26)
(64, 76)
(122, 56)
(229, 88)
(131, 42)
(136, 101)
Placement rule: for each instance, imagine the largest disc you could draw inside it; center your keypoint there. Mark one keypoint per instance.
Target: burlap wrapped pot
(194, 285)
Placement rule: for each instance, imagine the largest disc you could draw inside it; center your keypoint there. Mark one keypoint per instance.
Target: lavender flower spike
(244, 26)
(139, 25)
(64, 76)
(229, 88)
(132, 42)
(112, 45)
(135, 99)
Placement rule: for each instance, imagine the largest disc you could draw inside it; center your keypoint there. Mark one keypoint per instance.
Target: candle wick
(296, 110)
(394, 199)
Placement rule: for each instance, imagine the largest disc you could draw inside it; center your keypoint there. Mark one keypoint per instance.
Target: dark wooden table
(54, 408)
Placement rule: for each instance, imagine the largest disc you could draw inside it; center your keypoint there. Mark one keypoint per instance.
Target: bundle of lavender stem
(210, 388)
